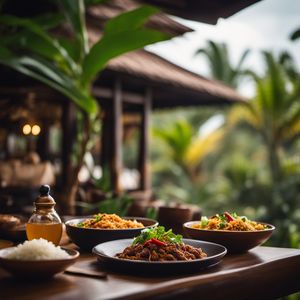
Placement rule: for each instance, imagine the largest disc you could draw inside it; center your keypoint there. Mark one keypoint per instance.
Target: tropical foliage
(221, 67)
(183, 155)
(274, 112)
(254, 166)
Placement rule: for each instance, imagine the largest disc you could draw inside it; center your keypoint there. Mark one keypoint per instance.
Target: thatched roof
(208, 11)
(97, 15)
(173, 85)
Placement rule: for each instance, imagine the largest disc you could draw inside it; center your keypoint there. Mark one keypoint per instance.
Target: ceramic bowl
(234, 241)
(87, 238)
(37, 269)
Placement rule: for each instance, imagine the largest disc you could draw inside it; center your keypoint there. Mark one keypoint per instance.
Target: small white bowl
(38, 269)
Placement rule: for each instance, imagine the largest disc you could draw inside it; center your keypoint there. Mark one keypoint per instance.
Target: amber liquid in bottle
(44, 222)
(49, 232)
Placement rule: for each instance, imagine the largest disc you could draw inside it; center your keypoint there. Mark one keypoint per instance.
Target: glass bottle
(44, 222)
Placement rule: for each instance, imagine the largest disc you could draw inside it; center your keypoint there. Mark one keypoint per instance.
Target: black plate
(106, 253)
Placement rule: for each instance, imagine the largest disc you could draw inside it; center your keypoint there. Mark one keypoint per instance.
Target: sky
(265, 25)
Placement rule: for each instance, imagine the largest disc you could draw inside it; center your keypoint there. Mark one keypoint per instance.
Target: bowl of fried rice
(237, 233)
(86, 232)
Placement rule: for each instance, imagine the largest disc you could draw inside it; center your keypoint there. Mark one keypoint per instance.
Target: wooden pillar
(143, 164)
(7, 152)
(43, 142)
(116, 138)
(68, 138)
(106, 134)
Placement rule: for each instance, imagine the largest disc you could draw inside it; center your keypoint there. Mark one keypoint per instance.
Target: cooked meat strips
(169, 252)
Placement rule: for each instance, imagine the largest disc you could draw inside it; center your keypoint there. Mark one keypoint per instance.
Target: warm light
(26, 129)
(36, 129)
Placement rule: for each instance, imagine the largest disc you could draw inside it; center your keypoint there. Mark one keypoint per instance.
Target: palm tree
(186, 148)
(70, 66)
(220, 64)
(275, 111)
(275, 114)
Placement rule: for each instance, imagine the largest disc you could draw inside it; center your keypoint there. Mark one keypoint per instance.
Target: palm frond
(201, 147)
(248, 114)
(295, 35)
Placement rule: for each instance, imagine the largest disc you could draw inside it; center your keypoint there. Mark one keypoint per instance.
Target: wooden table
(262, 273)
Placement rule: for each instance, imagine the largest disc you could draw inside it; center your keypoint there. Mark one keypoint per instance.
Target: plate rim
(205, 259)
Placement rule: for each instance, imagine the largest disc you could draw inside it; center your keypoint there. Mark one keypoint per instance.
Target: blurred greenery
(250, 163)
(110, 205)
(221, 68)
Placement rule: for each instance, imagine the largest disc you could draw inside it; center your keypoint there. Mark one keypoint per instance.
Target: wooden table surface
(262, 273)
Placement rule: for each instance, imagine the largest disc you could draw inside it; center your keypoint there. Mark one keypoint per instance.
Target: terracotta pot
(174, 217)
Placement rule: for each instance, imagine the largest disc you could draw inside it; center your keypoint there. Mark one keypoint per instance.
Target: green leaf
(94, 2)
(75, 13)
(43, 73)
(158, 233)
(72, 47)
(130, 20)
(39, 31)
(295, 35)
(4, 53)
(49, 21)
(111, 46)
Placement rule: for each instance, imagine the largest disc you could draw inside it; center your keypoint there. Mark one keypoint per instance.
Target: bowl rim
(74, 254)
(271, 228)
(155, 223)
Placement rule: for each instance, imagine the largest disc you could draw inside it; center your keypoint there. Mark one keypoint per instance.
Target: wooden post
(116, 138)
(143, 165)
(43, 141)
(106, 135)
(6, 151)
(68, 138)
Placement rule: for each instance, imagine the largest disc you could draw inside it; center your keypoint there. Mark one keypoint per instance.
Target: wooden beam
(143, 164)
(117, 135)
(127, 97)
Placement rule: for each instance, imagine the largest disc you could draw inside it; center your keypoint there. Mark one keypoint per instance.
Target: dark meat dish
(167, 252)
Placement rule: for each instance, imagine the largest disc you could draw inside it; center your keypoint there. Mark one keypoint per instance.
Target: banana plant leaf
(113, 45)
(69, 66)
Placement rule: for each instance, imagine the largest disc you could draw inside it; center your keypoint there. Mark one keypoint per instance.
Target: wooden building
(133, 84)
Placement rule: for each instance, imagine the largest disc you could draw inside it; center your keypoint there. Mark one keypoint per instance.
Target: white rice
(38, 249)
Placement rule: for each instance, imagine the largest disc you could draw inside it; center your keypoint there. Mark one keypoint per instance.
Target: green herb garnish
(203, 222)
(80, 225)
(223, 218)
(244, 218)
(98, 218)
(158, 233)
(222, 225)
(235, 215)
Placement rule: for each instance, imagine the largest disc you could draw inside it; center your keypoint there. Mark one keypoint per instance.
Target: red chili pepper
(228, 216)
(155, 241)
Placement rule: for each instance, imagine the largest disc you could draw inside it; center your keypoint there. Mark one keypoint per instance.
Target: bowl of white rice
(36, 259)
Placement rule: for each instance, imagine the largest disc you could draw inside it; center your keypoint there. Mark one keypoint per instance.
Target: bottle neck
(43, 209)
